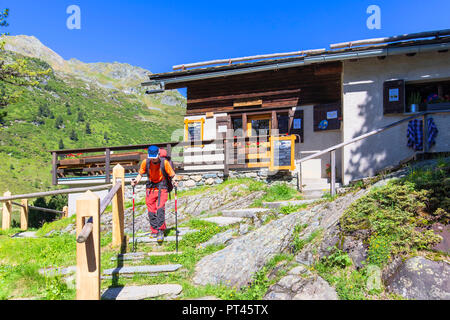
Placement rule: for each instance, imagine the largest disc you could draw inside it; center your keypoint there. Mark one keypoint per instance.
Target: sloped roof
(157, 77)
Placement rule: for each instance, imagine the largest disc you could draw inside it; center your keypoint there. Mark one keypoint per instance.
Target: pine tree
(73, 135)
(88, 128)
(69, 112)
(105, 137)
(61, 144)
(80, 116)
(59, 122)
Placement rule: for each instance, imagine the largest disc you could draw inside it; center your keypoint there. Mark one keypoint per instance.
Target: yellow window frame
(258, 117)
(186, 127)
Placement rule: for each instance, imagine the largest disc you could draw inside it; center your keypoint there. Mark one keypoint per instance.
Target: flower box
(65, 162)
(438, 106)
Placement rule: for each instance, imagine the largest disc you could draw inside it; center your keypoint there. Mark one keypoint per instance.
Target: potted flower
(435, 102)
(414, 100)
(328, 170)
(72, 159)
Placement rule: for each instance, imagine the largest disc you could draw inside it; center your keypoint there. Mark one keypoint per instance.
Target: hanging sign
(393, 95)
(332, 114)
(282, 153)
(297, 123)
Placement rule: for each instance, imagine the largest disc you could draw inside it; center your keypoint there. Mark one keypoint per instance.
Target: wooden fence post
(54, 168)
(7, 210)
(24, 215)
(88, 253)
(107, 165)
(118, 207)
(66, 211)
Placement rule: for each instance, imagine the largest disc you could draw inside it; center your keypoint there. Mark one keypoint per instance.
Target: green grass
(21, 260)
(57, 225)
(251, 184)
(277, 192)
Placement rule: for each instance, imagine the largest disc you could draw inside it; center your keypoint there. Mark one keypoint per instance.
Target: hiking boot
(160, 237)
(153, 235)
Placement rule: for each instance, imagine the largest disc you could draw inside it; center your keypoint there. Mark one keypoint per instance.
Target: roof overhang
(179, 79)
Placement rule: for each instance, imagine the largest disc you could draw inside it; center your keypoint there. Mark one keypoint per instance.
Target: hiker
(161, 176)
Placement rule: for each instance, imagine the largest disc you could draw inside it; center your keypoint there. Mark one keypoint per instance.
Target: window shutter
(296, 123)
(331, 112)
(394, 97)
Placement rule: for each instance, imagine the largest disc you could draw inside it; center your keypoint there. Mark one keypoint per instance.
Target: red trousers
(156, 201)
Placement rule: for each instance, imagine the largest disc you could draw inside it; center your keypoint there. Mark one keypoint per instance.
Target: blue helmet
(153, 152)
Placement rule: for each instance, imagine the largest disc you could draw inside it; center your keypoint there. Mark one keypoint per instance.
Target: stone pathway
(26, 234)
(141, 292)
(132, 256)
(223, 221)
(143, 269)
(151, 240)
(279, 204)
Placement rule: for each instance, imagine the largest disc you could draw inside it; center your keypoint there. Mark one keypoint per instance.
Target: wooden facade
(285, 88)
(270, 100)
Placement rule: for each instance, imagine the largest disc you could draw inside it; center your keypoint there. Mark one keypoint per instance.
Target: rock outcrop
(235, 265)
(421, 279)
(301, 284)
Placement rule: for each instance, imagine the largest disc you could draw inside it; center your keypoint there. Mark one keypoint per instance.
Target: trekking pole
(134, 247)
(176, 220)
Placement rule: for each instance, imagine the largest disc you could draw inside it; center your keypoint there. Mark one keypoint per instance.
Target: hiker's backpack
(163, 157)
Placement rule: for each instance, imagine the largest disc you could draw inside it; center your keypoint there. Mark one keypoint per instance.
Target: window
(193, 129)
(427, 96)
(237, 127)
(259, 125)
(327, 117)
(410, 97)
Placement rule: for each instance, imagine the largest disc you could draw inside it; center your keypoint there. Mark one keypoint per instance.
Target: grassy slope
(24, 158)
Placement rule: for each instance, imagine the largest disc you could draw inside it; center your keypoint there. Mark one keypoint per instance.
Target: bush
(36, 218)
(391, 212)
(379, 250)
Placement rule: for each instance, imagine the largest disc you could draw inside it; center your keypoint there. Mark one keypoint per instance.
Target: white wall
(209, 132)
(363, 110)
(318, 140)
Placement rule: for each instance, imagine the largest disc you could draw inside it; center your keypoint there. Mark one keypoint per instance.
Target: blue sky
(156, 35)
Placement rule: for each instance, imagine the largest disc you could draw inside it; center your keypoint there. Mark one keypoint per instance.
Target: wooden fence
(227, 153)
(88, 212)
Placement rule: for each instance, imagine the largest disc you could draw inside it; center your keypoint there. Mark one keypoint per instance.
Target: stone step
(143, 269)
(315, 181)
(314, 194)
(26, 234)
(141, 292)
(223, 221)
(131, 256)
(319, 186)
(243, 213)
(149, 240)
(181, 231)
(279, 204)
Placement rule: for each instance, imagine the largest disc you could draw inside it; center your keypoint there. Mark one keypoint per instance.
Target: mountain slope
(82, 105)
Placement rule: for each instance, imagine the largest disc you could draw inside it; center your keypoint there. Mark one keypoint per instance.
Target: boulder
(421, 279)
(373, 278)
(236, 264)
(301, 284)
(356, 250)
(220, 238)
